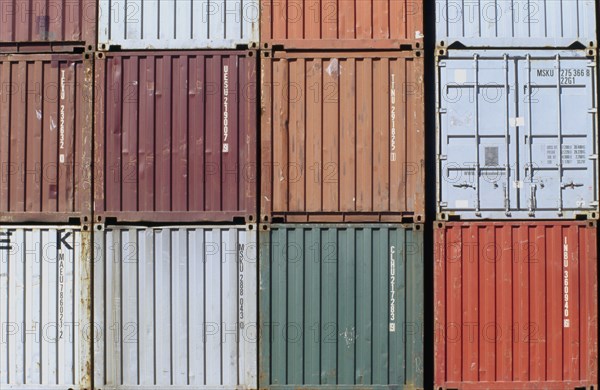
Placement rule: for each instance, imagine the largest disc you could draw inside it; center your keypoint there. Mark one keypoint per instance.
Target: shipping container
(516, 305)
(342, 137)
(341, 306)
(177, 306)
(516, 24)
(45, 137)
(348, 24)
(174, 25)
(175, 136)
(45, 307)
(47, 25)
(517, 135)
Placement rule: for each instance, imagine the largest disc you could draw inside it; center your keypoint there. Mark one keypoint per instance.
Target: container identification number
(566, 322)
(567, 76)
(392, 289)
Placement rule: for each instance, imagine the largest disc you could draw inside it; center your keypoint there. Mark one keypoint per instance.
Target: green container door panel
(341, 305)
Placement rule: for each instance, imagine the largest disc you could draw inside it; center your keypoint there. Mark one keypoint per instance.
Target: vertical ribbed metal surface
(175, 136)
(178, 24)
(516, 305)
(341, 305)
(177, 307)
(516, 23)
(45, 282)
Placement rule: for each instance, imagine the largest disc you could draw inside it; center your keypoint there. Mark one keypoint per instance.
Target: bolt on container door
(45, 137)
(516, 305)
(177, 306)
(342, 137)
(517, 135)
(516, 24)
(341, 305)
(174, 25)
(348, 24)
(45, 307)
(47, 25)
(175, 136)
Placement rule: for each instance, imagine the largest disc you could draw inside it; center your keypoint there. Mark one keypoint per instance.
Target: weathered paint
(47, 25)
(177, 306)
(348, 24)
(45, 137)
(341, 306)
(516, 24)
(174, 25)
(517, 135)
(342, 137)
(45, 307)
(175, 136)
(516, 305)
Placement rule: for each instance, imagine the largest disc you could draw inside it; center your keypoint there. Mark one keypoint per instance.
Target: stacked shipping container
(342, 158)
(517, 142)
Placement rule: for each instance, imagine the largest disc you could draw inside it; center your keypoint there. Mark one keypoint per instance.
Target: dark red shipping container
(45, 137)
(175, 136)
(47, 25)
(516, 305)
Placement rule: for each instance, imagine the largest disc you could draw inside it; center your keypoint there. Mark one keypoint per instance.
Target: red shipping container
(45, 137)
(175, 136)
(47, 25)
(516, 305)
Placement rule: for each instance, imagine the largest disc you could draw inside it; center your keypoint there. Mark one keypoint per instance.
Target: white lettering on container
(566, 322)
(393, 118)
(392, 289)
(225, 108)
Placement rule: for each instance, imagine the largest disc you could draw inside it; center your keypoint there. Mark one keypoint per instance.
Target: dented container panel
(516, 305)
(175, 136)
(348, 24)
(47, 25)
(517, 135)
(45, 137)
(342, 137)
(341, 305)
(174, 25)
(45, 307)
(517, 24)
(178, 307)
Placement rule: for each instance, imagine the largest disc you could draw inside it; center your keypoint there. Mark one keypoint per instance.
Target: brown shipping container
(342, 137)
(175, 136)
(516, 305)
(347, 24)
(45, 137)
(47, 25)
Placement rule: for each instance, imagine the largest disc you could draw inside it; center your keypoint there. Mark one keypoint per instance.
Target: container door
(558, 138)
(477, 119)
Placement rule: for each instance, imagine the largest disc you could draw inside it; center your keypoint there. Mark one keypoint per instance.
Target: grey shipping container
(341, 305)
(45, 307)
(177, 306)
(516, 23)
(173, 25)
(517, 135)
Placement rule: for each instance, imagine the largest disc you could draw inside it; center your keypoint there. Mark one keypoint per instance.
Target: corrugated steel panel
(341, 305)
(175, 136)
(47, 25)
(516, 305)
(178, 306)
(517, 135)
(348, 24)
(174, 25)
(45, 137)
(517, 24)
(45, 307)
(342, 137)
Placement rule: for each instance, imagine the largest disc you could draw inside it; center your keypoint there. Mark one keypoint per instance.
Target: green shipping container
(341, 306)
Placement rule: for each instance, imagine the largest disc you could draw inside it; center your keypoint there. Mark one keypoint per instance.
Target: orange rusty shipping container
(45, 137)
(342, 137)
(47, 25)
(348, 24)
(516, 305)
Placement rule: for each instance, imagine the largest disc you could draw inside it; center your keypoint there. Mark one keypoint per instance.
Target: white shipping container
(45, 307)
(177, 306)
